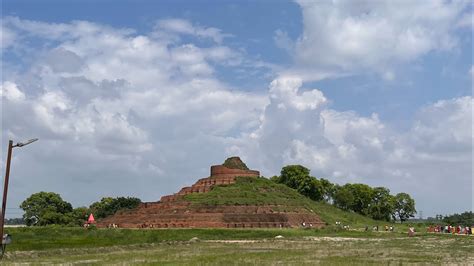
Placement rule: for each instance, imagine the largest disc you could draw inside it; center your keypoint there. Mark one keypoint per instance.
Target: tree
(327, 190)
(354, 197)
(362, 195)
(108, 206)
(101, 208)
(465, 219)
(78, 216)
(309, 187)
(343, 197)
(275, 179)
(45, 208)
(404, 207)
(361, 198)
(297, 177)
(292, 175)
(382, 205)
(14, 221)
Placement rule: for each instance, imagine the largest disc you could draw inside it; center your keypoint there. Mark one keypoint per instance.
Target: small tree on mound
(235, 163)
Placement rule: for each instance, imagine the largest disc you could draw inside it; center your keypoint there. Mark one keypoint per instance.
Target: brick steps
(232, 220)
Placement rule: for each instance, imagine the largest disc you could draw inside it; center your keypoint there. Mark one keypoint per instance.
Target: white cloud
(347, 147)
(285, 91)
(11, 92)
(343, 36)
(283, 41)
(181, 26)
(429, 132)
(62, 60)
(127, 108)
(58, 31)
(7, 37)
(465, 21)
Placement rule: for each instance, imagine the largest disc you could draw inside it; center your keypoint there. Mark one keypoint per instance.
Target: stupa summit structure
(174, 211)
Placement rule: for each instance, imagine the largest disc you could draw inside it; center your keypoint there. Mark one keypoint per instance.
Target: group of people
(112, 226)
(376, 228)
(346, 227)
(304, 225)
(448, 229)
(386, 227)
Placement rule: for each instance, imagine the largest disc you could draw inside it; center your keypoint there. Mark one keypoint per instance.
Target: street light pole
(5, 187)
(6, 240)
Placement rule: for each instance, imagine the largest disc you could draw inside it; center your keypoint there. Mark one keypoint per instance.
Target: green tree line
(465, 219)
(14, 221)
(45, 208)
(375, 202)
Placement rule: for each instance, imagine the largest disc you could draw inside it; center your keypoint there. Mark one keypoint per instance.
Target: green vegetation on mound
(235, 163)
(261, 191)
(249, 191)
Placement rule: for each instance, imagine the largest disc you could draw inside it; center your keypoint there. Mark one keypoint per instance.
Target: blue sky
(364, 91)
(253, 24)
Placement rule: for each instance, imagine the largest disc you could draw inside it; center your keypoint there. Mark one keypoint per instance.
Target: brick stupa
(173, 212)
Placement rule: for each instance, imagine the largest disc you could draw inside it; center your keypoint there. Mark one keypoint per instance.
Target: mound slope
(228, 198)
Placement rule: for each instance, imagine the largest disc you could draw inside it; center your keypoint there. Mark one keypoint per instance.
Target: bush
(235, 163)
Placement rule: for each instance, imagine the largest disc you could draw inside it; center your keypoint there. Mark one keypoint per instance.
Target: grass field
(58, 245)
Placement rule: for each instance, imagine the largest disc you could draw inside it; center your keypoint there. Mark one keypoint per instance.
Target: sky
(139, 98)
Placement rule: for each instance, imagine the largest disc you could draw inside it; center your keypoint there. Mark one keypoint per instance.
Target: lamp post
(5, 239)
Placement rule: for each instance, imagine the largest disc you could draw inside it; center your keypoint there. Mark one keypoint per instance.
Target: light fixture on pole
(6, 239)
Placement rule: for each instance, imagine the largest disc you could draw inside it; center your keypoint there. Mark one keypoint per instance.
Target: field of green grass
(77, 246)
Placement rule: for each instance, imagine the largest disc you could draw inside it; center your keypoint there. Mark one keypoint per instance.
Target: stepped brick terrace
(174, 212)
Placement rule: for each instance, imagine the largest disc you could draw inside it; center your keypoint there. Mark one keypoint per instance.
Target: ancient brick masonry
(220, 175)
(173, 212)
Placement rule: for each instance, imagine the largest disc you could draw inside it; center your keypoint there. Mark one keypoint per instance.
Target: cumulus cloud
(348, 147)
(11, 92)
(7, 37)
(62, 60)
(181, 26)
(129, 108)
(343, 36)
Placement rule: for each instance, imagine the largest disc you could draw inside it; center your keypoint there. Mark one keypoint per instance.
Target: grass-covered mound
(261, 191)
